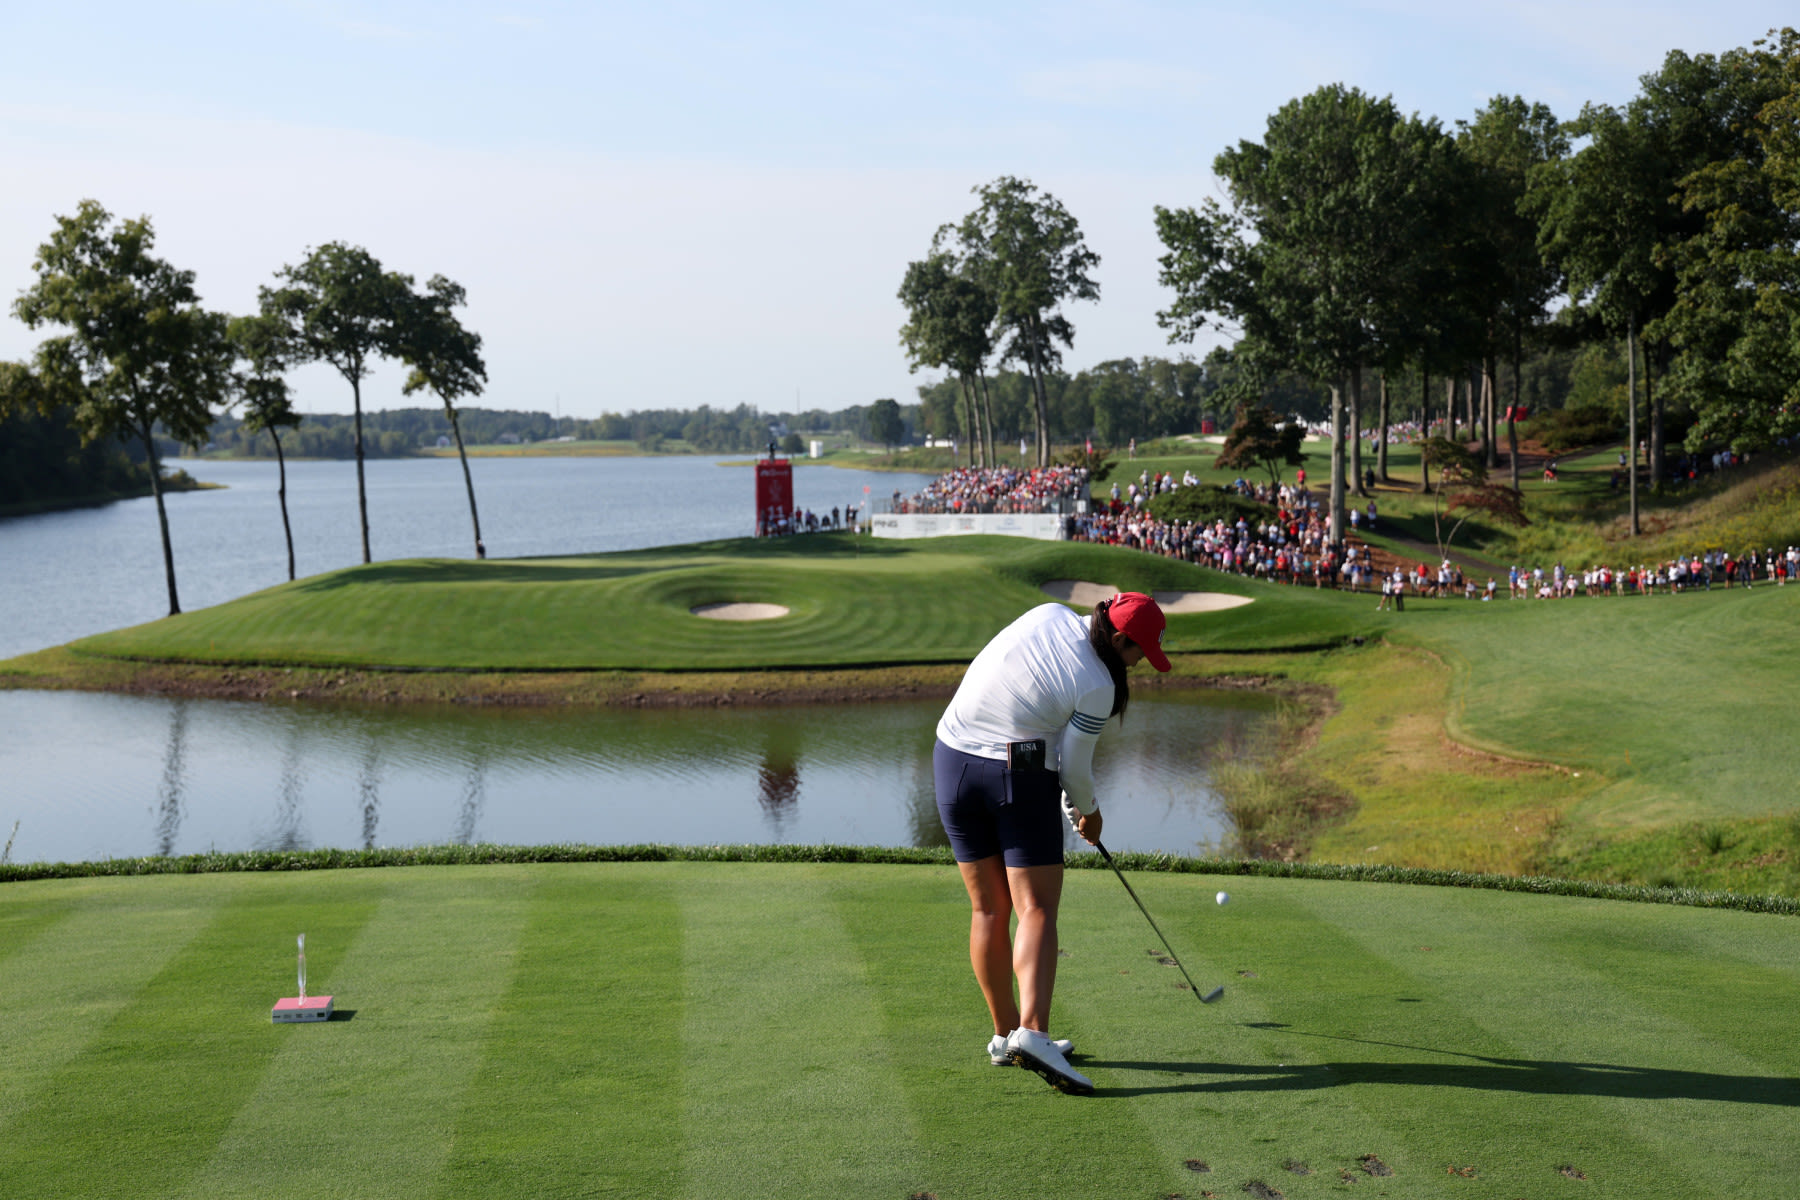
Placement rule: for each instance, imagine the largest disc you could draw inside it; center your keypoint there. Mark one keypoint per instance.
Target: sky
(684, 203)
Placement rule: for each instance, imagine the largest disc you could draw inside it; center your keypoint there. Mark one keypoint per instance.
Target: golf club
(1209, 997)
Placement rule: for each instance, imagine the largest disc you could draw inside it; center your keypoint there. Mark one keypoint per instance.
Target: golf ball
(1223, 897)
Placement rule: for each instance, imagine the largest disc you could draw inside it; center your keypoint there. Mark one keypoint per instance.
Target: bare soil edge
(62, 669)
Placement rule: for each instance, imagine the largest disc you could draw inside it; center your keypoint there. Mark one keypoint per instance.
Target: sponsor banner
(1044, 526)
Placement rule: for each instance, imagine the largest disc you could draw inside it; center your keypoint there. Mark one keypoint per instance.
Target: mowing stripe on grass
(71, 968)
(791, 1088)
(1598, 1051)
(142, 1107)
(990, 1131)
(578, 1091)
(1225, 1084)
(361, 1099)
(23, 923)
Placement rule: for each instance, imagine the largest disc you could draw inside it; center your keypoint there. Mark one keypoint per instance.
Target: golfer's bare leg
(990, 942)
(1036, 895)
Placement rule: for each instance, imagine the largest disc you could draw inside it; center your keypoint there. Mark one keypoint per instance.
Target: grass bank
(851, 601)
(686, 1029)
(1572, 736)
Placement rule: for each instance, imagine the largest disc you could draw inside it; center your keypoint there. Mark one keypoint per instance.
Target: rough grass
(685, 1029)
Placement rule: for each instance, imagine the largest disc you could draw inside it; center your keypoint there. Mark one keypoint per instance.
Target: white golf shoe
(1036, 1052)
(1000, 1056)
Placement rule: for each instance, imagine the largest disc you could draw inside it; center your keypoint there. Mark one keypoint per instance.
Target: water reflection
(288, 832)
(474, 799)
(174, 777)
(368, 787)
(78, 767)
(921, 810)
(778, 779)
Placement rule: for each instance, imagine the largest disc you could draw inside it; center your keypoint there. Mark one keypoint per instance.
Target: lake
(93, 776)
(65, 575)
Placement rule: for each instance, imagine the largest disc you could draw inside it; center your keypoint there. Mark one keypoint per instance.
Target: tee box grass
(812, 1030)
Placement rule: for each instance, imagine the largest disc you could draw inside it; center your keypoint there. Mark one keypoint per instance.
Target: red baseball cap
(1137, 617)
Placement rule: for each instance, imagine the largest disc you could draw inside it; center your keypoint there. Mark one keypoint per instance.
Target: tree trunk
(1471, 373)
(162, 514)
(1337, 462)
(1381, 455)
(468, 480)
(1043, 410)
(362, 494)
(968, 417)
(287, 530)
(1631, 414)
(1512, 413)
(1424, 424)
(1653, 401)
(986, 401)
(1356, 475)
(1490, 393)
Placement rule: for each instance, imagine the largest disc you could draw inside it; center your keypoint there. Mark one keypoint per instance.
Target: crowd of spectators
(998, 490)
(1685, 573)
(776, 523)
(1291, 543)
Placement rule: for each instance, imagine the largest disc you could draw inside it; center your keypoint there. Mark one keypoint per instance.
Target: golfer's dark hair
(1100, 633)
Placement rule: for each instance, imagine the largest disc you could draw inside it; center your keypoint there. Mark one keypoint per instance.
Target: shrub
(1570, 428)
(1205, 504)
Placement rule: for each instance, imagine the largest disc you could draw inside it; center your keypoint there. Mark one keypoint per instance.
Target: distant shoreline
(179, 482)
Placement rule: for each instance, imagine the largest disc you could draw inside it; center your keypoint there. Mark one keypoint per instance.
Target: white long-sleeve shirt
(1038, 678)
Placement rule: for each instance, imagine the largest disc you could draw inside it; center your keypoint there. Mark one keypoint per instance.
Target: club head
(1213, 995)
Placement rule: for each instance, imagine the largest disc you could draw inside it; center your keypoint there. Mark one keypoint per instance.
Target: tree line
(399, 432)
(1363, 250)
(140, 356)
(44, 461)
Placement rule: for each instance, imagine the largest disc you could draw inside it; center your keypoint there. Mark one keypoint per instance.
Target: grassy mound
(688, 1029)
(851, 602)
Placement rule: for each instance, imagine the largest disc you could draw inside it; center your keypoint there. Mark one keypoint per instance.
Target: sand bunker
(1079, 591)
(1193, 602)
(1076, 591)
(739, 612)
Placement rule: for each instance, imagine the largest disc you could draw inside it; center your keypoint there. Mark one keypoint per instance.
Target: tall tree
(1598, 213)
(949, 314)
(885, 423)
(1507, 140)
(268, 403)
(341, 307)
(1326, 212)
(446, 360)
(1029, 251)
(1734, 327)
(140, 353)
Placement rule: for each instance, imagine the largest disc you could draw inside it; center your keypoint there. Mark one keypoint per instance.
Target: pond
(96, 776)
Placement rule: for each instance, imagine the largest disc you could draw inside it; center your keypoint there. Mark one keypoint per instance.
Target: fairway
(686, 1029)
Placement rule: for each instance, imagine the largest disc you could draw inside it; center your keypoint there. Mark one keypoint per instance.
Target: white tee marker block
(291, 1010)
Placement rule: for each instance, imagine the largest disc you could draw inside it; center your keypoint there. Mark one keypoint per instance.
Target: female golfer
(1015, 751)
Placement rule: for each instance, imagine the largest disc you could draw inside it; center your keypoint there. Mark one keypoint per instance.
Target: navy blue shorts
(987, 809)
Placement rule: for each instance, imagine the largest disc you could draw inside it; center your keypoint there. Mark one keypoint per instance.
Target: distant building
(508, 439)
(443, 441)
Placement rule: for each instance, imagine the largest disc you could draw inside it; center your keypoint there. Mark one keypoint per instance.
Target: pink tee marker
(291, 1010)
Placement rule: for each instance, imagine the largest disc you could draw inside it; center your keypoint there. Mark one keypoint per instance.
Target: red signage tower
(774, 496)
